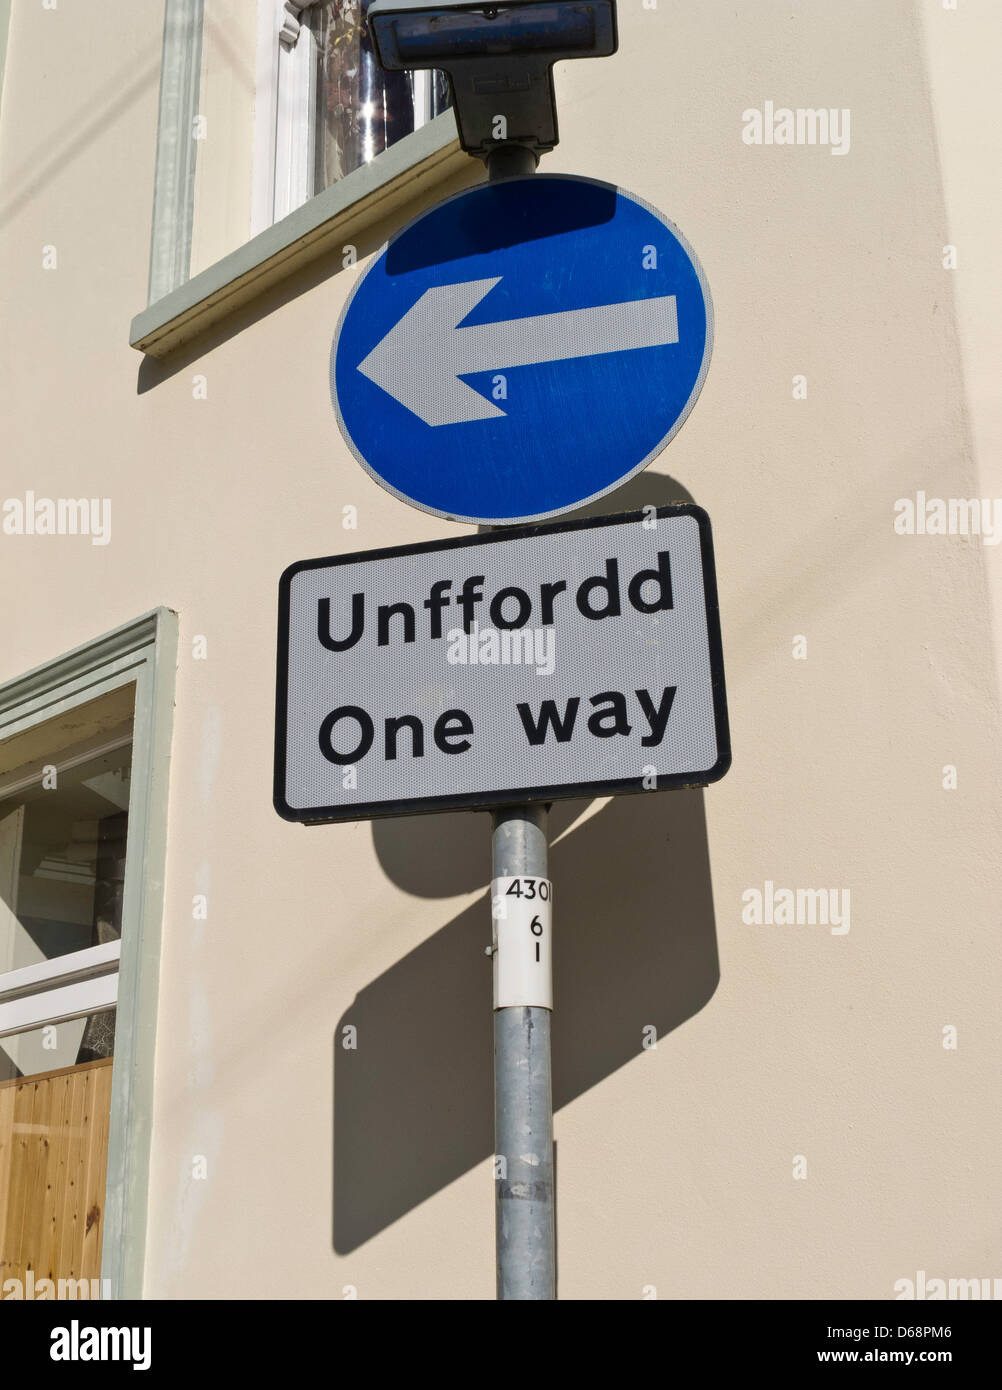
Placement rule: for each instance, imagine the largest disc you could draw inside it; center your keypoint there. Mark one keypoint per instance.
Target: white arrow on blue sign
(522, 348)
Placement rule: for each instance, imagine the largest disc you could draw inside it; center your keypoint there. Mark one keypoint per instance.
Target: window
(279, 139)
(83, 750)
(331, 107)
(64, 816)
(63, 830)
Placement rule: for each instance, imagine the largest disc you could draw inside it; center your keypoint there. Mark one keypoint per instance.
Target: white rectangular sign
(575, 659)
(522, 918)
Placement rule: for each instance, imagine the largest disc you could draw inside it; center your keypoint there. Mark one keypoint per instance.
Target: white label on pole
(521, 917)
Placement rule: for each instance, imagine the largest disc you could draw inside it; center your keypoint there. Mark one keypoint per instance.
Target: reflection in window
(360, 109)
(63, 834)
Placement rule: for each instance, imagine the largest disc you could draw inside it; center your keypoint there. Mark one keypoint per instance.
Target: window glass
(62, 856)
(360, 109)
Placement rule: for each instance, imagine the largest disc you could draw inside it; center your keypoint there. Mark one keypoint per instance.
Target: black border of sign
(484, 801)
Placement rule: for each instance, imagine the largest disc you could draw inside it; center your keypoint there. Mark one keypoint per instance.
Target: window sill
(320, 225)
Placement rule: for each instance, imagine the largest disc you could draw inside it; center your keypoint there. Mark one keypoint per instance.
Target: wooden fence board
(53, 1162)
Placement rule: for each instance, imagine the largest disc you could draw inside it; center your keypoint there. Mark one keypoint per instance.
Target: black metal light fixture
(498, 58)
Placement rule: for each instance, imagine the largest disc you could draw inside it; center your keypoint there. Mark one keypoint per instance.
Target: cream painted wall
(675, 1165)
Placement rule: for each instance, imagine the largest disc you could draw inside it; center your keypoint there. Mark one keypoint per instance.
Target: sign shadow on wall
(634, 948)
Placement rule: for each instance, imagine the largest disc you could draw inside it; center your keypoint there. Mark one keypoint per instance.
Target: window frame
(126, 972)
(284, 134)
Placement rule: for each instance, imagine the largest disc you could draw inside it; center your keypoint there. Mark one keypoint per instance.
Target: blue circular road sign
(522, 348)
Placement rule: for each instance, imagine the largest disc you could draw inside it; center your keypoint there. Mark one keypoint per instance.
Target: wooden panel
(92, 1208)
(6, 1161)
(60, 1088)
(70, 1239)
(53, 1160)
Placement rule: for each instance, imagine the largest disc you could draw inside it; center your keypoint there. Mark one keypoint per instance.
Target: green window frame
(143, 652)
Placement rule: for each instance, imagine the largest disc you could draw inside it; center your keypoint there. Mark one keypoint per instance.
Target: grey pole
(523, 1100)
(509, 162)
(521, 1033)
(523, 1097)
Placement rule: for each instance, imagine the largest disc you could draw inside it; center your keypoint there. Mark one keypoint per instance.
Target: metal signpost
(505, 670)
(518, 350)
